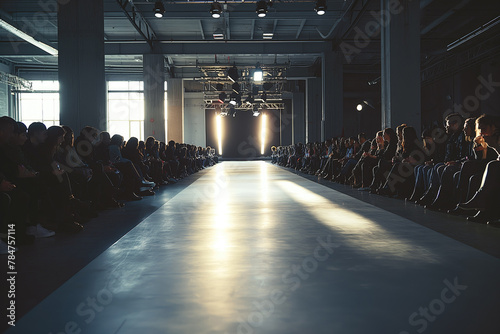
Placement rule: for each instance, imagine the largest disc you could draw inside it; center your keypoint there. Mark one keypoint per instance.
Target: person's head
(55, 137)
(470, 128)
(399, 131)
(454, 123)
(427, 137)
(390, 136)
(132, 143)
(408, 138)
(487, 125)
(142, 145)
(162, 146)
(37, 133)
(21, 134)
(380, 138)
(104, 138)
(91, 134)
(116, 140)
(7, 129)
(171, 143)
(150, 142)
(69, 137)
(361, 137)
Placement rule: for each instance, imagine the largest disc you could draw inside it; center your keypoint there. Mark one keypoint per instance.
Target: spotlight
(222, 97)
(256, 111)
(233, 98)
(261, 8)
(159, 9)
(320, 7)
(232, 73)
(359, 107)
(215, 10)
(258, 75)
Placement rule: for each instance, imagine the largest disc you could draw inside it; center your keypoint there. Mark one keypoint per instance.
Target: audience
(52, 183)
(454, 170)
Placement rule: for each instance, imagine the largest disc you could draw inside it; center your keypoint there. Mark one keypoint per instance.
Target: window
(41, 104)
(126, 108)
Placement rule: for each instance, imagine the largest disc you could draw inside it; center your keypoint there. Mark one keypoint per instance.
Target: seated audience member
(384, 163)
(456, 149)
(349, 165)
(434, 152)
(13, 198)
(132, 180)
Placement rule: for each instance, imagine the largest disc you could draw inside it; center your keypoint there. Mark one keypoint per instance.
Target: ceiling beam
(217, 47)
(138, 21)
(201, 30)
(300, 28)
(33, 37)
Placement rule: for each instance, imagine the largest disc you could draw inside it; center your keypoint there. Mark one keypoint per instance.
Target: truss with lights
(15, 81)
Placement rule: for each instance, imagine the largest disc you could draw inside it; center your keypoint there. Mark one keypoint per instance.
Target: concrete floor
(249, 247)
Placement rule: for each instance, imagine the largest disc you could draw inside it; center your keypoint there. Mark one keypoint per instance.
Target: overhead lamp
(267, 35)
(215, 10)
(261, 8)
(258, 75)
(218, 34)
(320, 7)
(255, 111)
(233, 98)
(159, 9)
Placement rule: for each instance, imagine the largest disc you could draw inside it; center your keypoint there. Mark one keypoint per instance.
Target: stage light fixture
(232, 98)
(222, 97)
(159, 9)
(216, 10)
(261, 8)
(232, 73)
(218, 34)
(258, 74)
(320, 7)
(219, 86)
(359, 107)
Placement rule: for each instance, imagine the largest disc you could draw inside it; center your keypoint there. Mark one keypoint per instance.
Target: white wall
(194, 119)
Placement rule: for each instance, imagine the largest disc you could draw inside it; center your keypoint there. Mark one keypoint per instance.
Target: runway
(252, 248)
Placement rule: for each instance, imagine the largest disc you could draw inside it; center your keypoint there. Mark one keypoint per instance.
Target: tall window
(126, 108)
(41, 104)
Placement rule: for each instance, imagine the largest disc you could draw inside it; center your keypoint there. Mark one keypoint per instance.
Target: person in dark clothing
(14, 198)
(434, 150)
(384, 164)
(346, 171)
(457, 148)
(401, 178)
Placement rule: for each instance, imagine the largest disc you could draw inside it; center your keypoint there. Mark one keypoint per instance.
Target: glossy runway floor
(252, 248)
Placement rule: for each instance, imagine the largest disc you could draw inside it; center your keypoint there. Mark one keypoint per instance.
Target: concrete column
(313, 110)
(332, 77)
(298, 118)
(175, 110)
(400, 56)
(154, 96)
(83, 94)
